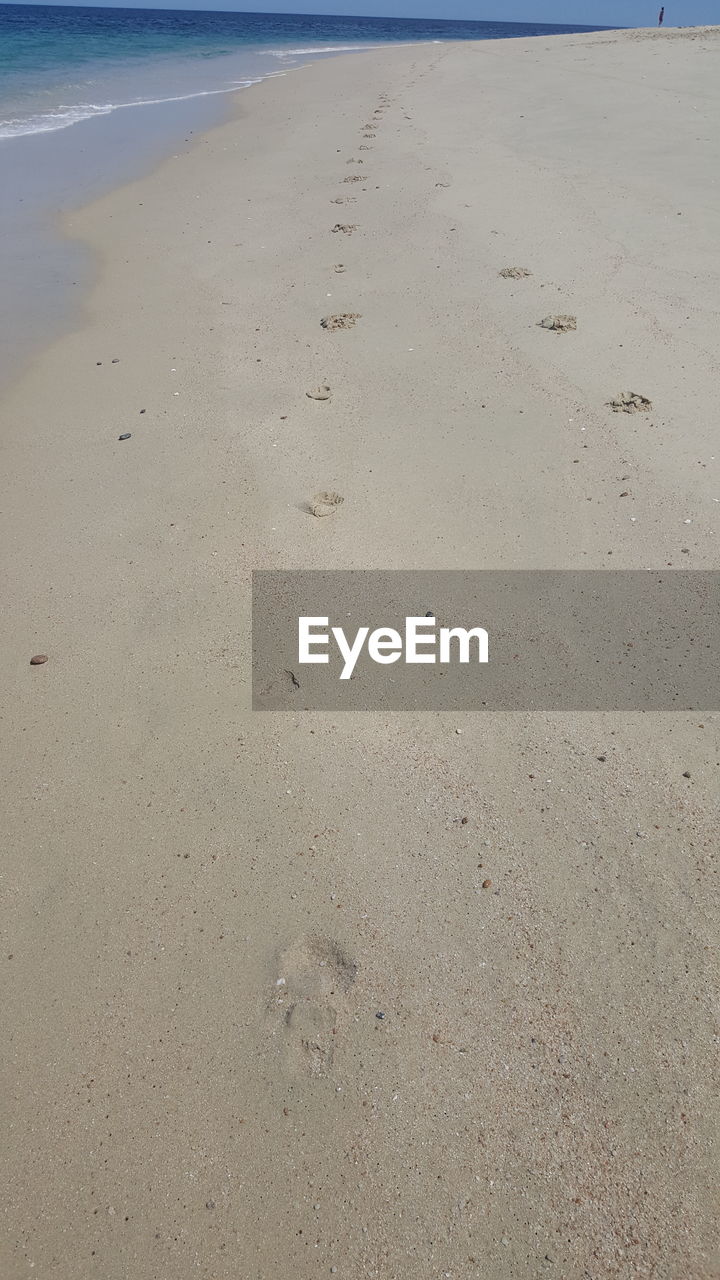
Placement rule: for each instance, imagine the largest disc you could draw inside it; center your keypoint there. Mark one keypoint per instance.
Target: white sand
(540, 1097)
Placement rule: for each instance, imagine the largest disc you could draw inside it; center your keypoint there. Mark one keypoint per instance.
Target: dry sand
(540, 1097)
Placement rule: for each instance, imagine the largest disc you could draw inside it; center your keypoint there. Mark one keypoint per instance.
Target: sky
(625, 13)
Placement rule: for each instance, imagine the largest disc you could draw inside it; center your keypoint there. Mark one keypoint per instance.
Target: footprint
(344, 321)
(322, 392)
(368, 135)
(325, 503)
(630, 402)
(339, 268)
(356, 177)
(561, 324)
(315, 975)
(344, 200)
(514, 273)
(347, 228)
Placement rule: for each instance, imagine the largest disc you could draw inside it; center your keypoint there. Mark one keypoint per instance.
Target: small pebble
(487, 884)
(686, 773)
(379, 1016)
(125, 436)
(40, 658)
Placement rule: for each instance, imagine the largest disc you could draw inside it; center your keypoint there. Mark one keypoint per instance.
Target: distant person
(661, 16)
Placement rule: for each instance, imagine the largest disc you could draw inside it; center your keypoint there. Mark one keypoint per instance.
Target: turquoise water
(62, 65)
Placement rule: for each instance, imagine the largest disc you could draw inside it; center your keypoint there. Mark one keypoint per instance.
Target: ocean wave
(65, 116)
(321, 48)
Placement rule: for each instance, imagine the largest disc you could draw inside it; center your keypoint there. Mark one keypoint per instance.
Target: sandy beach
(405, 996)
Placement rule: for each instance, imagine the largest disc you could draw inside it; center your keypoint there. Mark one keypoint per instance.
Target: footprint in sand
(356, 177)
(344, 200)
(561, 324)
(354, 161)
(325, 503)
(514, 273)
(364, 149)
(315, 975)
(339, 268)
(368, 135)
(347, 228)
(322, 392)
(630, 402)
(345, 321)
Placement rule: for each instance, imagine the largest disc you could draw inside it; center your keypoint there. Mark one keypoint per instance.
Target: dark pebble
(379, 1016)
(602, 759)
(39, 658)
(686, 773)
(125, 436)
(143, 410)
(115, 361)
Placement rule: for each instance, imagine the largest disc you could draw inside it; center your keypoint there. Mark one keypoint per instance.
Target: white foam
(63, 117)
(336, 48)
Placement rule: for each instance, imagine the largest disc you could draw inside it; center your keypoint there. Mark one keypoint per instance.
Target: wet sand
(206, 909)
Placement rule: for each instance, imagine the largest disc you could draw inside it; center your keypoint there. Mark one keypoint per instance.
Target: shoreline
(47, 170)
(207, 911)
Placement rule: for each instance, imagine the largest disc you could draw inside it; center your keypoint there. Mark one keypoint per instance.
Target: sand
(365, 995)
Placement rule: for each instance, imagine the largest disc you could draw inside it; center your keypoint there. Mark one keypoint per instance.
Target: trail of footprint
(315, 975)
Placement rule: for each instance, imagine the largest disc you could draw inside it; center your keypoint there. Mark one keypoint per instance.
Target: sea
(92, 97)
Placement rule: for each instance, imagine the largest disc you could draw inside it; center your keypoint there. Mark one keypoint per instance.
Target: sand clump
(630, 402)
